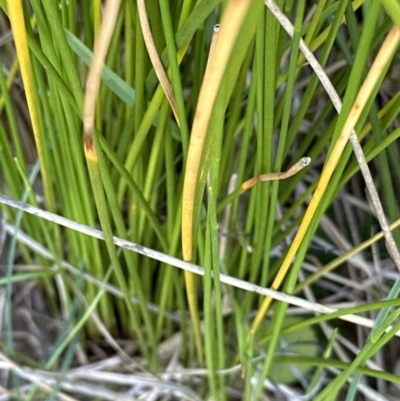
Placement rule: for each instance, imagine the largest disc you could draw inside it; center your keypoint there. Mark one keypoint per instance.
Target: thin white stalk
(10, 365)
(30, 243)
(280, 296)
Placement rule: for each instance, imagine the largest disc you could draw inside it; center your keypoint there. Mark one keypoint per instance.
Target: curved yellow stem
(230, 25)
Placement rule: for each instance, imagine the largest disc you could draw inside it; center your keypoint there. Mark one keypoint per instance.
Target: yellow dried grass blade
(155, 58)
(16, 15)
(230, 25)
